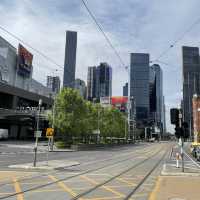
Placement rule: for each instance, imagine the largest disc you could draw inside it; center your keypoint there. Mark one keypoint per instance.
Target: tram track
(85, 173)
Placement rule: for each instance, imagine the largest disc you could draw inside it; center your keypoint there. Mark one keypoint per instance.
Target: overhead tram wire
(31, 47)
(177, 40)
(36, 50)
(99, 26)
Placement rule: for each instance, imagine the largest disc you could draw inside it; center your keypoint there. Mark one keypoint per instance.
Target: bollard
(177, 160)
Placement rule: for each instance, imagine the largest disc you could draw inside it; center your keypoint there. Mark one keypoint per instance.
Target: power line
(31, 47)
(104, 34)
(36, 50)
(178, 39)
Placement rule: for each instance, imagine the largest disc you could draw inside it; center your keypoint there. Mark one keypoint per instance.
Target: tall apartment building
(81, 87)
(99, 82)
(91, 83)
(104, 80)
(191, 81)
(139, 86)
(159, 95)
(125, 90)
(70, 59)
(53, 82)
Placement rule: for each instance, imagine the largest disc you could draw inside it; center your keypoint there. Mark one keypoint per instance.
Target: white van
(3, 134)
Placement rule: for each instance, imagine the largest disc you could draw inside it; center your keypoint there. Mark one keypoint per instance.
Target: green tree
(70, 110)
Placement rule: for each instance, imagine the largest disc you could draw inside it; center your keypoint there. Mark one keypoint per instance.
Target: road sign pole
(182, 143)
(48, 151)
(36, 139)
(182, 154)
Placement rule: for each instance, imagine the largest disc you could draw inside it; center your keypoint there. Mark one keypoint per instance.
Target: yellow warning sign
(50, 132)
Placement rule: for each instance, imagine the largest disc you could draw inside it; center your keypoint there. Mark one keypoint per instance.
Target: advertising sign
(120, 102)
(105, 101)
(25, 59)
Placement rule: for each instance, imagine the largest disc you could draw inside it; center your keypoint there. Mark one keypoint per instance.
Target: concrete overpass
(17, 113)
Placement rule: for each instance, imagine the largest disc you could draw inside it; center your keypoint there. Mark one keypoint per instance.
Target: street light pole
(182, 140)
(37, 129)
(53, 122)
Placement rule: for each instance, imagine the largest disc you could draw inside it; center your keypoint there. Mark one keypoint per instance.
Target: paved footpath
(173, 184)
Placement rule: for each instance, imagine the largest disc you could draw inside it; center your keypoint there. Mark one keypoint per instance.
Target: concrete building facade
(191, 81)
(9, 61)
(196, 117)
(81, 87)
(53, 82)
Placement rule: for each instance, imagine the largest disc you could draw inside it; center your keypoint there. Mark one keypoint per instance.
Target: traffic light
(185, 127)
(174, 116)
(178, 132)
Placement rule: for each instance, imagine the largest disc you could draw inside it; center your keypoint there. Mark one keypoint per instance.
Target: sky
(133, 26)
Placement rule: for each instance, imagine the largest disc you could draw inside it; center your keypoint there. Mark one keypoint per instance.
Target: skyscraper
(91, 83)
(99, 82)
(104, 80)
(159, 95)
(53, 82)
(125, 90)
(70, 59)
(139, 86)
(191, 81)
(81, 87)
(152, 95)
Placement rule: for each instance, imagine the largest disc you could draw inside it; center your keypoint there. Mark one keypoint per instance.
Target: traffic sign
(38, 134)
(50, 132)
(97, 132)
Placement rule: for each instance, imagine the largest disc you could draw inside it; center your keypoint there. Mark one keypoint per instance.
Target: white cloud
(132, 25)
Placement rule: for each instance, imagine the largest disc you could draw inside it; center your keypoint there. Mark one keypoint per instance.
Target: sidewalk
(173, 184)
(44, 165)
(176, 188)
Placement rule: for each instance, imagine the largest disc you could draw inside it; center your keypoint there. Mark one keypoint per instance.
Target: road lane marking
(125, 181)
(121, 186)
(102, 198)
(63, 186)
(17, 187)
(35, 183)
(156, 189)
(47, 190)
(5, 193)
(105, 187)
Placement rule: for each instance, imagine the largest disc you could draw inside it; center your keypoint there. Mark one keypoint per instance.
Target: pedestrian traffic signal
(185, 127)
(178, 132)
(174, 116)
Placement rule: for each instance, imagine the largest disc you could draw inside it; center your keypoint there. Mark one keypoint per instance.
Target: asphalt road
(125, 172)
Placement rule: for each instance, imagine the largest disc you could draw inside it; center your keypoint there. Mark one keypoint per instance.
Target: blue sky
(147, 26)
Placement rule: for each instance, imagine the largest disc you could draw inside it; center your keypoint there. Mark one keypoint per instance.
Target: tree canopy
(75, 117)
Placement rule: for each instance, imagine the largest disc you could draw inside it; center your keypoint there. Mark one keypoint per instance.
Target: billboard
(120, 102)
(25, 59)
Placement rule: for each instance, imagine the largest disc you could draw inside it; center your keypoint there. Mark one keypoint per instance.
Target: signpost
(49, 135)
(37, 133)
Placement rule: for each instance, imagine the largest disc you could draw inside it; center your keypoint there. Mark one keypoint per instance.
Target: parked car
(3, 134)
